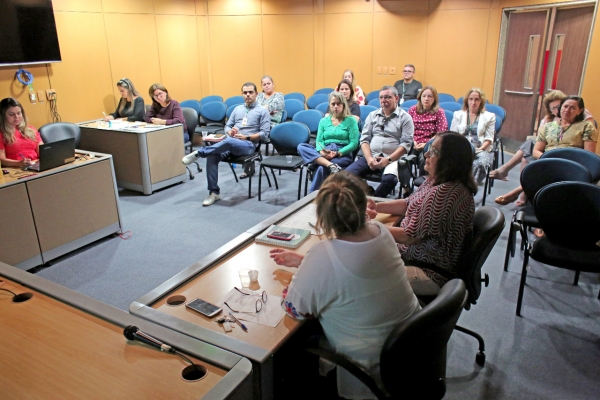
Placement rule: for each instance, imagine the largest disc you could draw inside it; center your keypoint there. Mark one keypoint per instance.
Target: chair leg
(190, 173)
(300, 182)
(250, 185)
(485, 186)
(523, 279)
(198, 166)
(502, 151)
(510, 245)
(274, 178)
(260, 168)
(233, 170)
(576, 280)
(480, 357)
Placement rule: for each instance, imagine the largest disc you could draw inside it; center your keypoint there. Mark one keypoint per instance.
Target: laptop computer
(54, 155)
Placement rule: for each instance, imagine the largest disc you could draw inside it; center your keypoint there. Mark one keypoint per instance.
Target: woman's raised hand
(286, 258)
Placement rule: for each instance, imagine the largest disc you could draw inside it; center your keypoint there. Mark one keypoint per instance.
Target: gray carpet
(551, 352)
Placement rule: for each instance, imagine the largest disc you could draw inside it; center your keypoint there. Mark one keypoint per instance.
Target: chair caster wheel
(192, 177)
(480, 359)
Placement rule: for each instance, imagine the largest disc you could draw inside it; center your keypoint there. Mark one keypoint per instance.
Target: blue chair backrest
(460, 100)
(292, 106)
(442, 97)
(195, 104)
(409, 103)
(451, 106)
(498, 125)
(375, 103)
(324, 91)
(586, 158)
(365, 111)
(287, 136)
(230, 110)
(209, 99)
(372, 95)
(234, 100)
(569, 213)
(322, 107)
(284, 116)
(405, 107)
(538, 174)
(449, 117)
(310, 118)
(295, 95)
(496, 109)
(214, 111)
(316, 99)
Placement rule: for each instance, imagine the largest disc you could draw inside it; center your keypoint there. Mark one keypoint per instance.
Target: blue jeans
(388, 181)
(217, 152)
(310, 154)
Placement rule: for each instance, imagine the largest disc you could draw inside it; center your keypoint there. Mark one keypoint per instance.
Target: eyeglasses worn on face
(387, 97)
(407, 71)
(555, 108)
(432, 152)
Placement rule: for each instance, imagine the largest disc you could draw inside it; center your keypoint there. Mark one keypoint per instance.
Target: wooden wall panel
(234, 7)
(179, 56)
(133, 56)
(236, 52)
(347, 6)
(319, 68)
(461, 4)
(456, 50)
(37, 114)
(77, 5)
(287, 7)
(388, 51)
(179, 7)
(289, 53)
(491, 52)
(204, 57)
(83, 81)
(347, 44)
(128, 7)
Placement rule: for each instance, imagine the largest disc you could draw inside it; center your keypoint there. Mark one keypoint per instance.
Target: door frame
(504, 33)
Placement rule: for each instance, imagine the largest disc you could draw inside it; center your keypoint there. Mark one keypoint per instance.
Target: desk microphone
(133, 333)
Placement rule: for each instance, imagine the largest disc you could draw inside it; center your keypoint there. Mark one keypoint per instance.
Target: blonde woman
(337, 138)
(20, 142)
(479, 126)
(341, 279)
(131, 104)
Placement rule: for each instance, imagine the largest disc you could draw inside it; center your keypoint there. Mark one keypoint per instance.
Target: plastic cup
(253, 275)
(204, 134)
(244, 277)
(288, 159)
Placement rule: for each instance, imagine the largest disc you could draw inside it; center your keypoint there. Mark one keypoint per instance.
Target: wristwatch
(390, 160)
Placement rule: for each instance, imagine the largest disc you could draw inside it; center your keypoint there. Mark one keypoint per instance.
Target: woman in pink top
(20, 143)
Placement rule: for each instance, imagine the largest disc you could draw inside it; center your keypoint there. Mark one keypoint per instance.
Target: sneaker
(190, 158)
(211, 199)
(333, 168)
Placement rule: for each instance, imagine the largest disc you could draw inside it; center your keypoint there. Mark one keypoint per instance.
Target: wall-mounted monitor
(28, 32)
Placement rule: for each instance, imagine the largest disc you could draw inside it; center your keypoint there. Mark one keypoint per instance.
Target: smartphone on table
(281, 235)
(204, 307)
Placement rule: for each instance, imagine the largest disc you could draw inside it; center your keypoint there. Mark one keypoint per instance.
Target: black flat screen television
(28, 32)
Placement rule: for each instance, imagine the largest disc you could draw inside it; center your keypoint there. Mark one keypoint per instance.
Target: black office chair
(191, 121)
(285, 138)
(569, 213)
(243, 160)
(534, 177)
(413, 358)
(405, 172)
(488, 223)
(586, 158)
(59, 131)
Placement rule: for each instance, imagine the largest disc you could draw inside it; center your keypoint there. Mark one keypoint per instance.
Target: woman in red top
(20, 143)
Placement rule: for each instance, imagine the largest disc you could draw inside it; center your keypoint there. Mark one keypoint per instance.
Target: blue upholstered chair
(234, 100)
(443, 97)
(295, 96)
(213, 115)
(372, 95)
(292, 106)
(209, 99)
(375, 103)
(322, 107)
(325, 91)
(450, 106)
(316, 99)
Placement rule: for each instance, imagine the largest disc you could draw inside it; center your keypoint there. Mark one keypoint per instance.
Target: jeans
(388, 181)
(217, 152)
(310, 154)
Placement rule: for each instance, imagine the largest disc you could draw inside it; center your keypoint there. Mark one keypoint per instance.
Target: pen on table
(103, 113)
(237, 321)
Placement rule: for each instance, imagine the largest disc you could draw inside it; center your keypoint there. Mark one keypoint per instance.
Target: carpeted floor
(551, 352)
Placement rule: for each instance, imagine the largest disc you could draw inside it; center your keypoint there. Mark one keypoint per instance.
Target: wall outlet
(40, 96)
(51, 94)
(32, 97)
(392, 70)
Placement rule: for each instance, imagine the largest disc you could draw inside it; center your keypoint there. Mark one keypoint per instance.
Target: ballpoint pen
(237, 321)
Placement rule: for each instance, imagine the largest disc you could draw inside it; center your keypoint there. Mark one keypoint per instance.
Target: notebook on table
(54, 155)
(277, 235)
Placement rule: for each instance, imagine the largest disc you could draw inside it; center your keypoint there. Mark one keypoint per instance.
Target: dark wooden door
(523, 63)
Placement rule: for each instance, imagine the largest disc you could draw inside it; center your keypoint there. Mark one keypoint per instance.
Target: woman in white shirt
(354, 281)
(479, 126)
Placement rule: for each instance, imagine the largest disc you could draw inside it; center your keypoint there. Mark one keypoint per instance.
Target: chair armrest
(318, 348)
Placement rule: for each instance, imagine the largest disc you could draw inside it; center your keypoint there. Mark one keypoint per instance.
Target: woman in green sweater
(337, 139)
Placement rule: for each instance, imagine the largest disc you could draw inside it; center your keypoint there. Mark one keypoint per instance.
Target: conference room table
(60, 344)
(147, 157)
(213, 277)
(48, 214)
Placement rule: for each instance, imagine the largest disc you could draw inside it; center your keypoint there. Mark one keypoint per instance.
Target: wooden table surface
(50, 350)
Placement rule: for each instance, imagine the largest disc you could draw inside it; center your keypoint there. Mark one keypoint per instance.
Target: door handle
(521, 93)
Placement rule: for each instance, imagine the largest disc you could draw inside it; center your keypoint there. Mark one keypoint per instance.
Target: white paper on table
(270, 314)
(303, 219)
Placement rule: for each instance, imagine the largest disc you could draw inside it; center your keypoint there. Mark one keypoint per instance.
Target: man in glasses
(387, 135)
(247, 125)
(408, 88)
